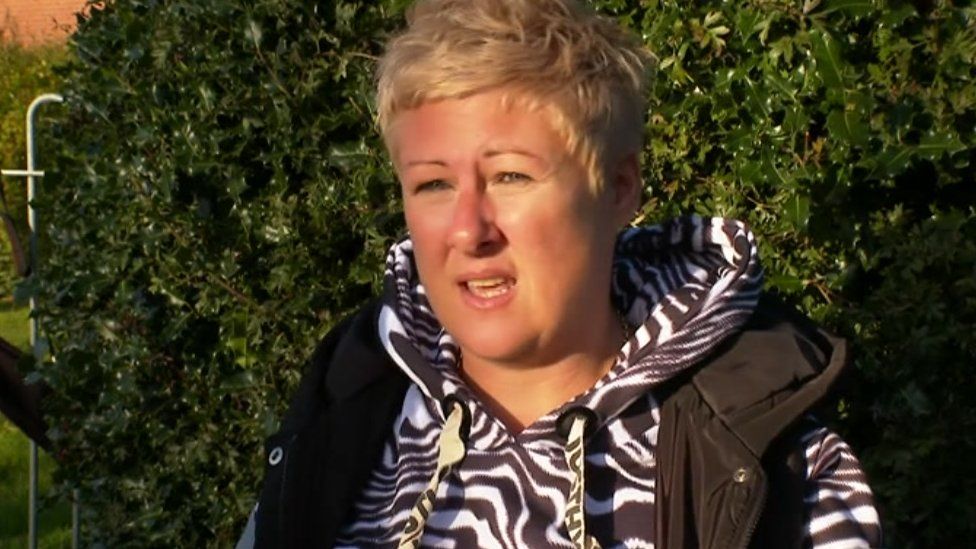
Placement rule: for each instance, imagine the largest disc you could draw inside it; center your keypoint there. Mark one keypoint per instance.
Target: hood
(683, 286)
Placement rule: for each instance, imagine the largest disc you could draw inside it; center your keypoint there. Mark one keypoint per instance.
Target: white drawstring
(450, 453)
(575, 509)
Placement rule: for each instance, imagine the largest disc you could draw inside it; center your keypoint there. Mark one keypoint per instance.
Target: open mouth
(488, 288)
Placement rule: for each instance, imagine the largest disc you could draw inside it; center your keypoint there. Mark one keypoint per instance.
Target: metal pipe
(22, 173)
(75, 519)
(31, 173)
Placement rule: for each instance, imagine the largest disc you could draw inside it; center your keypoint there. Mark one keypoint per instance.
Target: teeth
(489, 287)
(486, 282)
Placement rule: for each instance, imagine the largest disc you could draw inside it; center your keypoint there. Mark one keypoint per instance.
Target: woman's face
(512, 245)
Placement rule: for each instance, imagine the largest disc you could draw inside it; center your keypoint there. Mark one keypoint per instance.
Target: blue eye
(432, 185)
(512, 177)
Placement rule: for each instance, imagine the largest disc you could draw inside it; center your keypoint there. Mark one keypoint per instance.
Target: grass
(54, 521)
(13, 325)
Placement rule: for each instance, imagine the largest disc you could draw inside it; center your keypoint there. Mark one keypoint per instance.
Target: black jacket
(729, 464)
(19, 401)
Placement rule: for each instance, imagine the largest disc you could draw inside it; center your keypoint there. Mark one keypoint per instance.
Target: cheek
(423, 222)
(561, 224)
(428, 236)
(569, 245)
(548, 237)
(414, 221)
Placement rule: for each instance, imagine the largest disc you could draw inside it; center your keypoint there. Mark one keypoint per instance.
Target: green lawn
(13, 325)
(54, 522)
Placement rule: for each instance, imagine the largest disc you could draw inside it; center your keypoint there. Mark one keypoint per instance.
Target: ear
(624, 185)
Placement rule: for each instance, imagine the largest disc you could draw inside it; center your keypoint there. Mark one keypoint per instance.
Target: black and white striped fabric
(683, 286)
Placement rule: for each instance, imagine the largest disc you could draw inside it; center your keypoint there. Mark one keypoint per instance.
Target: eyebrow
(496, 152)
(490, 153)
(425, 162)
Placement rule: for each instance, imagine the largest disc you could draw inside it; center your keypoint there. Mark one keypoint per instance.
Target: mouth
(490, 288)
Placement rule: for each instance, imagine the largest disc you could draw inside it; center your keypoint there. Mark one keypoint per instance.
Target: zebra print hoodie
(683, 287)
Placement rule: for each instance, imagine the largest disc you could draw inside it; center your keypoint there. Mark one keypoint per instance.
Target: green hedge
(221, 198)
(843, 131)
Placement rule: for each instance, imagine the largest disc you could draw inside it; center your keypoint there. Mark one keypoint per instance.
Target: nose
(473, 229)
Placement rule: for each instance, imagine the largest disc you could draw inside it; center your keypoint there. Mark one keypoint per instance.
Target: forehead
(473, 125)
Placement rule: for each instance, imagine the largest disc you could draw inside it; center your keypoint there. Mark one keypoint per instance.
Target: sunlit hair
(558, 55)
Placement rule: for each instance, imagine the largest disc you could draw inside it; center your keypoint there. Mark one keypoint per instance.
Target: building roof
(31, 22)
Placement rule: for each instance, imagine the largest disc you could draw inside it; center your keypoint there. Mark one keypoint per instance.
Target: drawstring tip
(576, 422)
(451, 452)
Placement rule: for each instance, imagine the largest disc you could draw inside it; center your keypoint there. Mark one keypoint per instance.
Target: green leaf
(348, 155)
(758, 97)
(892, 161)
(747, 22)
(857, 8)
(237, 344)
(937, 143)
(797, 211)
(827, 52)
(847, 126)
(896, 16)
(780, 84)
(721, 30)
(236, 382)
(749, 172)
(917, 401)
(785, 283)
(775, 174)
(33, 378)
(712, 17)
(253, 32)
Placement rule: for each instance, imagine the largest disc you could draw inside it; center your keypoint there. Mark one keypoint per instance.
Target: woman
(531, 376)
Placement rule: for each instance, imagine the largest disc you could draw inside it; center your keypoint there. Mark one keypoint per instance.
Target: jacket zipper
(757, 510)
(282, 486)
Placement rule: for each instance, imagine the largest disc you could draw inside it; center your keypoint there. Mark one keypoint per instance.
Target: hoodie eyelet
(741, 475)
(274, 457)
(565, 421)
(447, 404)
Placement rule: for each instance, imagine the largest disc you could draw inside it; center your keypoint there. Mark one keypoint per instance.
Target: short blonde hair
(556, 54)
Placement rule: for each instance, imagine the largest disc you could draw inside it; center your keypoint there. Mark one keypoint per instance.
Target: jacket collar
(359, 358)
(763, 379)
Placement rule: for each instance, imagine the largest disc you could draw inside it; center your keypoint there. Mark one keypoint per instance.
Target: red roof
(38, 21)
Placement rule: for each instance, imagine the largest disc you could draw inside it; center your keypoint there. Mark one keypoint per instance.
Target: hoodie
(583, 475)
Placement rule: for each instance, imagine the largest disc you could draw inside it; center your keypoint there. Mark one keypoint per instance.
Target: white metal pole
(34, 340)
(75, 520)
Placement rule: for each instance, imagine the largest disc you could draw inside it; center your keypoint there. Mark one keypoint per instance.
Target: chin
(494, 343)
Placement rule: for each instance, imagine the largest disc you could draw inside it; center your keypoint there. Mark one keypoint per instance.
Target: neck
(519, 393)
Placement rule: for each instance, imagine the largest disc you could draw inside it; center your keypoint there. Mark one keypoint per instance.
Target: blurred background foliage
(219, 198)
(24, 74)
